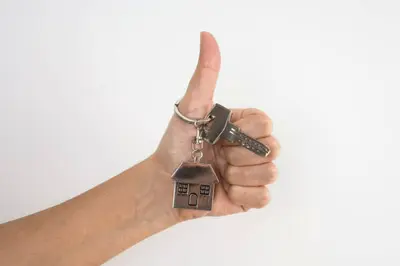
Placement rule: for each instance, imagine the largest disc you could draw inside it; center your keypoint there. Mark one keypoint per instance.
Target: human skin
(95, 226)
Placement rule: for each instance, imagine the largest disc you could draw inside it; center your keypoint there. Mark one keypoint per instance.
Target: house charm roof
(195, 173)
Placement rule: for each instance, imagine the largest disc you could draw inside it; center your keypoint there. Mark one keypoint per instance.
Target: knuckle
(209, 65)
(233, 191)
(276, 147)
(262, 203)
(236, 195)
(266, 124)
(230, 173)
(264, 199)
(229, 154)
(253, 111)
(266, 118)
(273, 173)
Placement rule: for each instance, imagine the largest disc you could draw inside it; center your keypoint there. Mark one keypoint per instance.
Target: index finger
(240, 113)
(253, 122)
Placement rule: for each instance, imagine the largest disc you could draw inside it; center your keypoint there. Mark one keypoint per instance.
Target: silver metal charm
(194, 182)
(221, 127)
(194, 186)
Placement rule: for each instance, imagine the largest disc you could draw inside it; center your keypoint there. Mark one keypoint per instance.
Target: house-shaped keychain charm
(194, 186)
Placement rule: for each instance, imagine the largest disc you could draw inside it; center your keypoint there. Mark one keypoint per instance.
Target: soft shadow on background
(79, 81)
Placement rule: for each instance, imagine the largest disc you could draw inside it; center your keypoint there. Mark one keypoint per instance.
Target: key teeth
(255, 146)
(234, 134)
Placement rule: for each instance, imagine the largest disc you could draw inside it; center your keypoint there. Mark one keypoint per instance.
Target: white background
(80, 81)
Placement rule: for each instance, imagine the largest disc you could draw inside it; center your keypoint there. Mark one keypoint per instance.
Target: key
(221, 127)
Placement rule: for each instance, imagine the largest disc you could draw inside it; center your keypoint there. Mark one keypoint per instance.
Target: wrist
(152, 193)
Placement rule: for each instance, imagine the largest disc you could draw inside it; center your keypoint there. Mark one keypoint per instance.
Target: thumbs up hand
(243, 175)
(99, 224)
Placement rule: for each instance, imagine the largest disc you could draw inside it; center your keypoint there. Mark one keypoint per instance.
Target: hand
(243, 175)
(100, 223)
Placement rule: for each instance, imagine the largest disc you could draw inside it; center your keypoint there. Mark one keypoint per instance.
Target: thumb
(198, 98)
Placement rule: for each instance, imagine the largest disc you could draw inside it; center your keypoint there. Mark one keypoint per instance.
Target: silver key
(221, 127)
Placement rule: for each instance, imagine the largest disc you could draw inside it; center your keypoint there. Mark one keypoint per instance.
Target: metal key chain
(194, 182)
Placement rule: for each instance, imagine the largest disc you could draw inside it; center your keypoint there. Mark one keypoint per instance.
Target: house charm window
(183, 188)
(205, 190)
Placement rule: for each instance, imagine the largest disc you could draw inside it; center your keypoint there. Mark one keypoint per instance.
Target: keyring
(192, 121)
